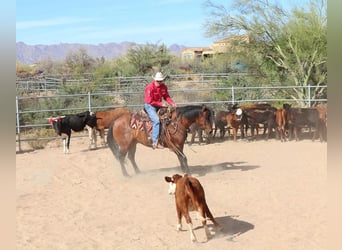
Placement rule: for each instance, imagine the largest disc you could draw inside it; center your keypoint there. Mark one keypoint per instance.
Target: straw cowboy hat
(159, 77)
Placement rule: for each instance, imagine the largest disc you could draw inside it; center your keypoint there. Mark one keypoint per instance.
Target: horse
(104, 119)
(122, 137)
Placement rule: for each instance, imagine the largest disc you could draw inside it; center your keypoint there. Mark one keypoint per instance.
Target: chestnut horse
(104, 119)
(122, 139)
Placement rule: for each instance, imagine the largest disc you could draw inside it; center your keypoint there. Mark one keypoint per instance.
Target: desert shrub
(39, 137)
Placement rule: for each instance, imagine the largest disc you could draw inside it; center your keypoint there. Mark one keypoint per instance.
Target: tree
(291, 46)
(148, 58)
(79, 62)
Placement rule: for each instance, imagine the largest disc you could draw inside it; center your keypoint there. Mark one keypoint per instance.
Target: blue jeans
(152, 113)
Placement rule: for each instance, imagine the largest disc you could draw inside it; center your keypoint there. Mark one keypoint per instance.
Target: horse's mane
(191, 111)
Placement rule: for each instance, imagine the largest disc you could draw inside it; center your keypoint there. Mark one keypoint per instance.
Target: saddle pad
(139, 120)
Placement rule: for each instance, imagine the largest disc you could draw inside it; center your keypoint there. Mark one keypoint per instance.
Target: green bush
(39, 136)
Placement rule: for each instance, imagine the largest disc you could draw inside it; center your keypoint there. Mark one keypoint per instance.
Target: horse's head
(201, 115)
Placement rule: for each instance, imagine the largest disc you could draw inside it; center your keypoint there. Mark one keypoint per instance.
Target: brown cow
(280, 119)
(189, 196)
(104, 119)
(323, 117)
(263, 106)
(235, 121)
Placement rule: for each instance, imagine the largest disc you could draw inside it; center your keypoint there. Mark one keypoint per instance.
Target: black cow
(256, 114)
(266, 117)
(220, 123)
(75, 122)
(298, 118)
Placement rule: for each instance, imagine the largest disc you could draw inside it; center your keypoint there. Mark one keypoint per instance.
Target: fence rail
(119, 92)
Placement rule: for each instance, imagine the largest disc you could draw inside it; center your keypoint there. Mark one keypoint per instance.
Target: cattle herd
(285, 124)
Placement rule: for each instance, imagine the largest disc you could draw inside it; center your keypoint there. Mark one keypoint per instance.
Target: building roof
(233, 38)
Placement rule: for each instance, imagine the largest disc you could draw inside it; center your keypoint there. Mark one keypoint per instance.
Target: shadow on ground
(202, 170)
(232, 227)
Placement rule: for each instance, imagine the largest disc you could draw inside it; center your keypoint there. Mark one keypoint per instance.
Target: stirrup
(157, 145)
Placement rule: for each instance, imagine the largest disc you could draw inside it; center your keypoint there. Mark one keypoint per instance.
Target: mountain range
(28, 54)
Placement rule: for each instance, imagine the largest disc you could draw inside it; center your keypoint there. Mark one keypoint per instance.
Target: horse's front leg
(131, 157)
(183, 163)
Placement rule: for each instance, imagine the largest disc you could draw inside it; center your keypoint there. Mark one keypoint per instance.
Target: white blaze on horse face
(172, 188)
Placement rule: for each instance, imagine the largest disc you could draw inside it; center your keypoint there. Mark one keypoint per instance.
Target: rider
(155, 91)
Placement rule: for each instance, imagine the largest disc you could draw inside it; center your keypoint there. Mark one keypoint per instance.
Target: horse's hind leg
(131, 157)
(122, 163)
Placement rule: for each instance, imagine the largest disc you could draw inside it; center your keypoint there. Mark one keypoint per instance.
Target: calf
(235, 120)
(76, 122)
(189, 196)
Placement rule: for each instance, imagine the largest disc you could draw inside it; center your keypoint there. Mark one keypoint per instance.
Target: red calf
(189, 196)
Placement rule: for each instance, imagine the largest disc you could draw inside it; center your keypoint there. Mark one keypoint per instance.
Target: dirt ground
(265, 194)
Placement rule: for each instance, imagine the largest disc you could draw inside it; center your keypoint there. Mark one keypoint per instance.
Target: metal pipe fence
(32, 110)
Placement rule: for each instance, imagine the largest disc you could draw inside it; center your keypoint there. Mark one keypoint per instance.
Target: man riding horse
(155, 91)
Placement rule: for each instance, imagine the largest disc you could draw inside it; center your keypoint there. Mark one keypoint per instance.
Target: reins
(168, 134)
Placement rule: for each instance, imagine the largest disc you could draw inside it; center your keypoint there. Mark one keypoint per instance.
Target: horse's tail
(113, 145)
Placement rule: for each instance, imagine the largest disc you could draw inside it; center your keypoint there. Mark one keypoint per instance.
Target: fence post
(233, 95)
(18, 124)
(89, 104)
(309, 95)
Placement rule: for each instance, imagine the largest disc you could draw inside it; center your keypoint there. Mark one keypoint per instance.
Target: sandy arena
(266, 195)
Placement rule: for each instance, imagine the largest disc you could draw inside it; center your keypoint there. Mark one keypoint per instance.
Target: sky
(104, 21)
